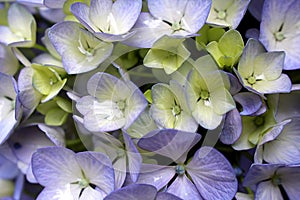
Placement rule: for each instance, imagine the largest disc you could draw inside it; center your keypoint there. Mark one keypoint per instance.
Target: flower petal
(232, 128)
(267, 190)
(133, 192)
(133, 156)
(184, 188)
(98, 169)
(250, 102)
(55, 166)
(171, 143)
(156, 175)
(212, 174)
(281, 85)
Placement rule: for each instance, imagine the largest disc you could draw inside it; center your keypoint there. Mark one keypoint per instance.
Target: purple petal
(182, 187)
(260, 172)
(289, 177)
(156, 175)
(171, 143)
(212, 174)
(98, 13)
(133, 192)
(235, 85)
(255, 8)
(81, 12)
(250, 102)
(55, 193)
(90, 193)
(134, 158)
(166, 196)
(55, 166)
(98, 169)
(55, 134)
(54, 3)
(112, 37)
(232, 128)
(288, 106)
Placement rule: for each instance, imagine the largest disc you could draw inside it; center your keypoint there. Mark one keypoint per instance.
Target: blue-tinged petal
(124, 14)
(133, 192)
(55, 193)
(55, 166)
(7, 125)
(133, 156)
(171, 143)
(54, 3)
(98, 169)
(53, 15)
(285, 148)
(81, 12)
(255, 8)
(170, 11)
(289, 177)
(288, 106)
(7, 86)
(281, 85)
(8, 168)
(135, 105)
(8, 62)
(148, 30)
(260, 172)
(98, 13)
(195, 14)
(166, 196)
(55, 134)
(182, 187)
(239, 9)
(235, 85)
(212, 174)
(232, 128)
(250, 102)
(156, 175)
(267, 190)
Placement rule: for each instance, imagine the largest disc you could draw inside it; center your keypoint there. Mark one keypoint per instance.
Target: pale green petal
(163, 117)
(55, 89)
(221, 101)
(281, 85)
(205, 115)
(214, 50)
(248, 127)
(246, 64)
(162, 96)
(269, 65)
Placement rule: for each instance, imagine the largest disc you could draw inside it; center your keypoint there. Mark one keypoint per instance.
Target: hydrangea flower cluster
(149, 99)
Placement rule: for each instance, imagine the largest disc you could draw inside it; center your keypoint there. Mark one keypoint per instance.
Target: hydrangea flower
(211, 175)
(21, 29)
(207, 94)
(169, 108)
(279, 30)
(181, 18)
(108, 20)
(260, 71)
(66, 175)
(112, 103)
(266, 180)
(227, 13)
(79, 49)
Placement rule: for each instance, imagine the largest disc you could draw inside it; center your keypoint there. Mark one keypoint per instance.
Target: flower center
(176, 26)
(276, 180)
(83, 183)
(258, 121)
(121, 105)
(222, 14)
(279, 36)
(251, 80)
(180, 170)
(204, 95)
(176, 110)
